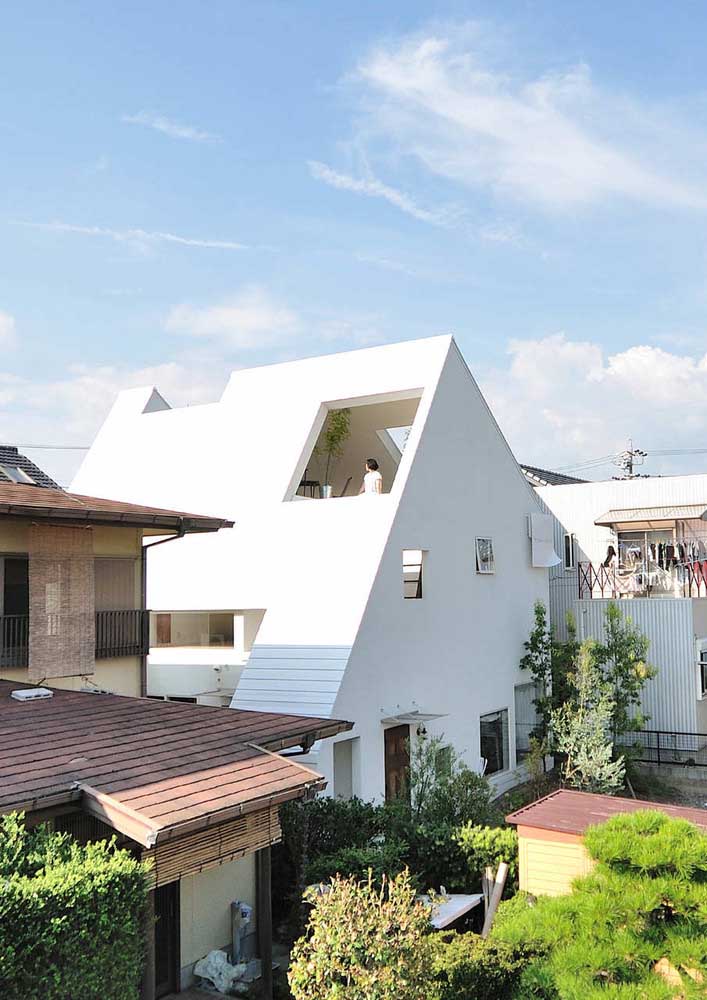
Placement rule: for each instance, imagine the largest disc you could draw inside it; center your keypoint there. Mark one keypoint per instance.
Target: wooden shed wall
(549, 861)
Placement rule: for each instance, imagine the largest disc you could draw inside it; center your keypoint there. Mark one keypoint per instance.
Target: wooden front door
(166, 938)
(397, 762)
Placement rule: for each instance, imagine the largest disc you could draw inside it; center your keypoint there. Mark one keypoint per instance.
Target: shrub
(364, 943)
(466, 967)
(488, 846)
(641, 910)
(71, 917)
(378, 859)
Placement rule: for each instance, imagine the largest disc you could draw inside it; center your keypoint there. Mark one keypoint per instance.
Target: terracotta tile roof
(18, 500)
(152, 769)
(572, 812)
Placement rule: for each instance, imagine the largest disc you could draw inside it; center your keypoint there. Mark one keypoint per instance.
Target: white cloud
(562, 402)
(373, 188)
(252, 319)
(8, 333)
(137, 237)
(556, 139)
(174, 129)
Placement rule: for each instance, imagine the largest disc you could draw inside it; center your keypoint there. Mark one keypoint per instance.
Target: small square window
(569, 551)
(485, 560)
(412, 574)
(16, 475)
(494, 741)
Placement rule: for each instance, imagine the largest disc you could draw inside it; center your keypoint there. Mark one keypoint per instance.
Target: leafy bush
(466, 967)
(637, 921)
(71, 917)
(379, 859)
(488, 846)
(364, 943)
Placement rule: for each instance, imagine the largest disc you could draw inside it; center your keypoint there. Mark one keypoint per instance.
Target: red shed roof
(572, 812)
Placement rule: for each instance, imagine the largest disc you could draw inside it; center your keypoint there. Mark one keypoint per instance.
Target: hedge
(71, 917)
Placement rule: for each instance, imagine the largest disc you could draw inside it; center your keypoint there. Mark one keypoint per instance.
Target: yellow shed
(551, 852)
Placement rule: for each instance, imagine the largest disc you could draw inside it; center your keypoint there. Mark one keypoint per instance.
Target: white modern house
(641, 543)
(404, 612)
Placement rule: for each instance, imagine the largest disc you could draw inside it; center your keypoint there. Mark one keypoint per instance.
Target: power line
(48, 447)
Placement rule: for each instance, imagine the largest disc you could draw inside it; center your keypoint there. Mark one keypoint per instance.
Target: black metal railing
(14, 640)
(118, 633)
(681, 580)
(659, 746)
(122, 633)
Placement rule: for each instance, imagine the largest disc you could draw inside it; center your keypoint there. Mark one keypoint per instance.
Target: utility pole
(627, 462)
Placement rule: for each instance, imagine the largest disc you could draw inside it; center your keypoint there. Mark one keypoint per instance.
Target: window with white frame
(413, 560)
(485, 560)
(703, 673)
(494, 741)
(569, 551)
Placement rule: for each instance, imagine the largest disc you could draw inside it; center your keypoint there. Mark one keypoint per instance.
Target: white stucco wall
(456, 651)
(205, 908)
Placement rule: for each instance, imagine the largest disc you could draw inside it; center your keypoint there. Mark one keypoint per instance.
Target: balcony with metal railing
(681, 580)
(118, 633)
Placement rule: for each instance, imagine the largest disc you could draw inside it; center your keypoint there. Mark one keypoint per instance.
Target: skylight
(17, 475)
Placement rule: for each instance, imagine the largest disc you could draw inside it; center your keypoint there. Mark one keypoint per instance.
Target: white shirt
(370, 480)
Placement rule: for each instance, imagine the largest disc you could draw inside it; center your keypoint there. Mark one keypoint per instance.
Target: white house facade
(403, 611)
(641, 543)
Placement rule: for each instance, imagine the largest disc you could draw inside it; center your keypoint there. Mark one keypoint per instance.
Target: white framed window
(413, 562)
(702, 680)
(493, 732)
(485, 559)
(569, 550)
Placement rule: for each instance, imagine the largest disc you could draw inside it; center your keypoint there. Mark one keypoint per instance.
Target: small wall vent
(31, 694)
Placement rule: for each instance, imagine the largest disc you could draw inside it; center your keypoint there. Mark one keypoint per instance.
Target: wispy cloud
(135, 236)
(8, 333)
(170, 127)
(556, 140)
(373, 188)
(250, 319)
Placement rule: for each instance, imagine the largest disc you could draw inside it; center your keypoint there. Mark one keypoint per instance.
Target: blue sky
(187, 188)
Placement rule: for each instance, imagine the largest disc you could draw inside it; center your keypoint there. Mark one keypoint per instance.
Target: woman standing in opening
(372, 480)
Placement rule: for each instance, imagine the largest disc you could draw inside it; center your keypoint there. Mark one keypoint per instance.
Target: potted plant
(330, 448)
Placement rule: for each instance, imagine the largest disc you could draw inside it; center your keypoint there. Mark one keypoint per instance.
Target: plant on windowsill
(330, 448)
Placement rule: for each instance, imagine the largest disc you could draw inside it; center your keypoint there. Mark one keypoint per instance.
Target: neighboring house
(405, 611)
(551, 851)
(657, 529)
(72, 581)
(194, 790)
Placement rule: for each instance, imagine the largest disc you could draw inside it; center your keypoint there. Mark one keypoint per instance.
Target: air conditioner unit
(31, 694)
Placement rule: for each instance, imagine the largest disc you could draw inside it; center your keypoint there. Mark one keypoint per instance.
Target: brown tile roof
(152, 769)
(17, 500)
(572, 812)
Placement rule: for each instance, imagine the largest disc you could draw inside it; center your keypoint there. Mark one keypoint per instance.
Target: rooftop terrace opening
(349, 433)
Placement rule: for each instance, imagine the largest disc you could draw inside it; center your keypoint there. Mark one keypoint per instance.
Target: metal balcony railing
(14, 640)
(681, 580)
(122, 633)
(118, 633)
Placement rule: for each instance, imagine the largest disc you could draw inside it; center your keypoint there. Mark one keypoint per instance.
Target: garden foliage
(634, 929)
(466, 967)
(364, 942)
(71, 917)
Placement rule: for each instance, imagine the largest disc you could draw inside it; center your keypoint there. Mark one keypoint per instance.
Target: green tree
(581, 730)
(538, 662)
(634, 929)
(363, 943)
(622, 658)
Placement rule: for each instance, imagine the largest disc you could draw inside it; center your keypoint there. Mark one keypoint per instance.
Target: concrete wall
(120, 675)
(205, 909)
